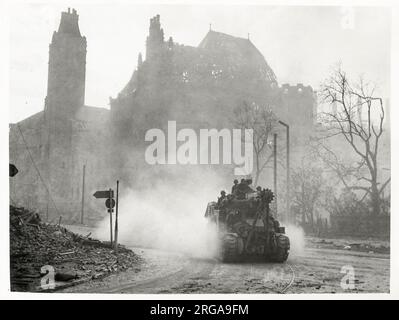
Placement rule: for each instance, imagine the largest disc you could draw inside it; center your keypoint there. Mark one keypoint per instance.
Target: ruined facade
(51, 147)
(198, 87)
(191, 83)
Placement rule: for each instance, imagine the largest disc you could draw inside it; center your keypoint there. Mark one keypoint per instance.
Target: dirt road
(315, 270)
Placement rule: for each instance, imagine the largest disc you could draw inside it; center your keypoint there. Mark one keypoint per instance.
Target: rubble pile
(75, 258)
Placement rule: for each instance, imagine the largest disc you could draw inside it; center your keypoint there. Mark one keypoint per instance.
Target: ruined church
(64, 153)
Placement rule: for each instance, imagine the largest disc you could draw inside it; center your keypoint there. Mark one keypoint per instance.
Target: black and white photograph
(179, 148)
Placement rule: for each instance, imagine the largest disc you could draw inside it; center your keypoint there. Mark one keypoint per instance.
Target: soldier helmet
(235, 181)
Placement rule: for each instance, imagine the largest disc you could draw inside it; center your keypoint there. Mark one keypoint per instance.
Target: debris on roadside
(361, 245)
(37, 246)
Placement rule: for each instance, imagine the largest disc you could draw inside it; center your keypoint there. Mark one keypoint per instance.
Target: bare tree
(307, 190)
(262, 121)
(357, 116)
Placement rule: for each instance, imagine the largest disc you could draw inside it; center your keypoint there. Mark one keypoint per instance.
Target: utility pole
(275, 169)
(83, 195)
(288, 174)
(288, 168)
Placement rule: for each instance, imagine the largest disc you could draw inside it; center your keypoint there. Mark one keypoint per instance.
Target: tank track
(229, 249)
(282, 248)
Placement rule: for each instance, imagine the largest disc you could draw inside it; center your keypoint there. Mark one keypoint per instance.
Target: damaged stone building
(198, 87)
(192, 83)
(51, 148)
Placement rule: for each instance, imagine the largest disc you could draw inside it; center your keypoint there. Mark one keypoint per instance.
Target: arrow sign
(103, 194)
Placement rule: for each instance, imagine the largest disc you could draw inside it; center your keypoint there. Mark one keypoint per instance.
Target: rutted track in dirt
(291, 281)
(193, 268)
(207, 276)
(312, 271)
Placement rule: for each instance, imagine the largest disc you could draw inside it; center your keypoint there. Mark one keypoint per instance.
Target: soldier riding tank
(245, 226)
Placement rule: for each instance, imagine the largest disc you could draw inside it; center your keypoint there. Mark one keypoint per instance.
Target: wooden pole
(116, 216)
(83, 195)
(288, 174)
(275, 169)
(110, 215)
(287, 127)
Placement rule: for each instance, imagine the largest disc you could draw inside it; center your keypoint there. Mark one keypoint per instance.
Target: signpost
(116, 217)
(110, 203)
(104, 194)
(110, 199)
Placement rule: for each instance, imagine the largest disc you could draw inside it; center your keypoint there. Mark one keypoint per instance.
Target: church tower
(65, 96)
(155, 39)
(66, 68)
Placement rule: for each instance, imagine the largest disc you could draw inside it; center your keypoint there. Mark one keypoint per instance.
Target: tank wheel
(282, 248)
(232, 247)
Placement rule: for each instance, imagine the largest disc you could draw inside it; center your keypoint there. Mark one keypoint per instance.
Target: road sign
(104, 194)
(110, 204)
(13, 170)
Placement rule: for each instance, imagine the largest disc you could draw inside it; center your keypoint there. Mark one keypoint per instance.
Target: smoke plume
(297, 240)
(169, 215)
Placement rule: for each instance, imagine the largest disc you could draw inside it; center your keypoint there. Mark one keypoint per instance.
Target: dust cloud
(169, 215)
(297, 239)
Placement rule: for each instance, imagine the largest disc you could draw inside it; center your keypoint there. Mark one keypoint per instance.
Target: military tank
(246, 229)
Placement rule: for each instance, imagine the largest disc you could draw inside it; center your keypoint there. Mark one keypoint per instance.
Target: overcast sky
(301, 44)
